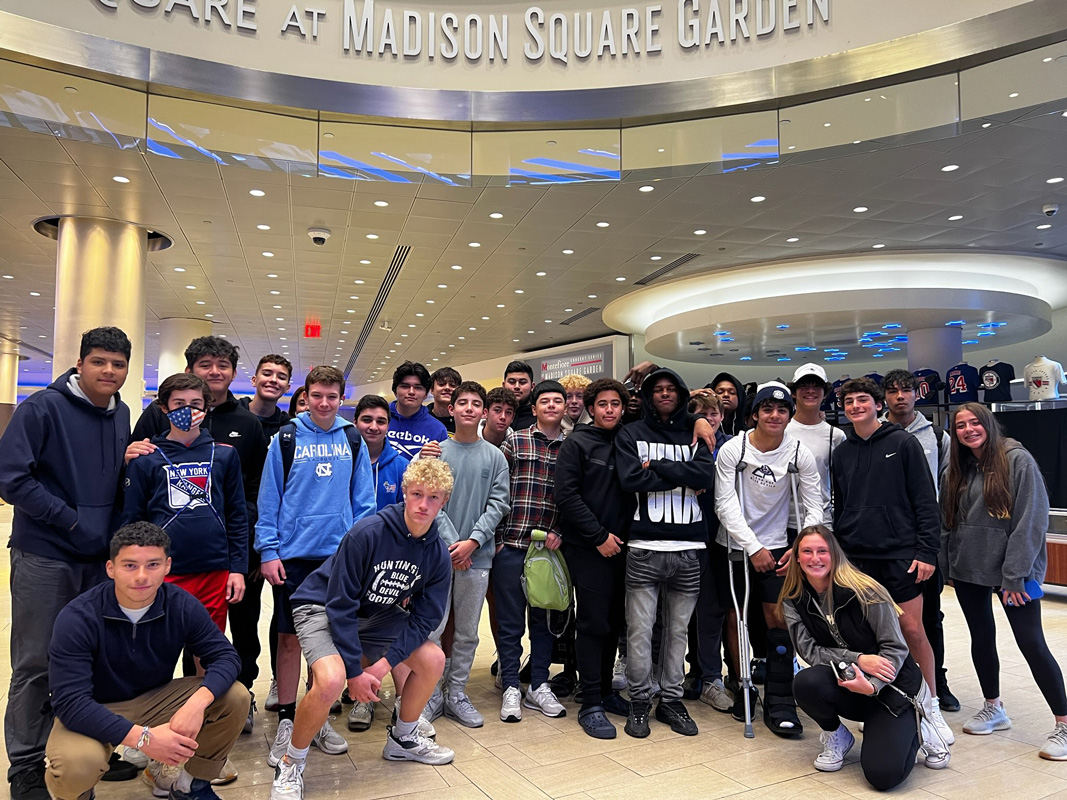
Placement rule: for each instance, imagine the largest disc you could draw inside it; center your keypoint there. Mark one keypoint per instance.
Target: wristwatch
(146, 737)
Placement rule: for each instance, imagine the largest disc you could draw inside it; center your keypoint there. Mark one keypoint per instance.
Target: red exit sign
(312, 328)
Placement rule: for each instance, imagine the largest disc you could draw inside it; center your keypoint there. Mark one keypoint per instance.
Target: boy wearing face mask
(190, 486)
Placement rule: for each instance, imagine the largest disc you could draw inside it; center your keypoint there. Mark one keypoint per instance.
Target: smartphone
(1034, 590)
(843, 670)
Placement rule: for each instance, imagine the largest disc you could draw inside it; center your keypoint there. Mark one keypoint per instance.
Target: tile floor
(543, 758)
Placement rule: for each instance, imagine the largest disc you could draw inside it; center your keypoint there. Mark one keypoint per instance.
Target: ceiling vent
(659, 273)
(399, 257)
(580, 315)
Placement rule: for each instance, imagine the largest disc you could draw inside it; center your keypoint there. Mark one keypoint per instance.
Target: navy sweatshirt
(378, 566)
(176, 495)
(60, 467)
(667, 501)
(99, 656)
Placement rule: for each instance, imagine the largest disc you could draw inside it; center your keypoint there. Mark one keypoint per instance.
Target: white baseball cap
(805, 370)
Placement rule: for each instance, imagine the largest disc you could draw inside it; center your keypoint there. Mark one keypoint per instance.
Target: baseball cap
(806, 370)
(776, 392)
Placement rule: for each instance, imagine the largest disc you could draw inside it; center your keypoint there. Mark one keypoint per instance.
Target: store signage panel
(592, 362)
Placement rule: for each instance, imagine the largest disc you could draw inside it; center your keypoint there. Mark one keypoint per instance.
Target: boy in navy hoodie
(190, 486)
(60, 466)
(316, 482)
(369, 608)
(410, 424)
(111, 671)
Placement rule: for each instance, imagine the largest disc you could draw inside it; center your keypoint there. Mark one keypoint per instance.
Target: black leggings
(889, 743)
(1025, 623)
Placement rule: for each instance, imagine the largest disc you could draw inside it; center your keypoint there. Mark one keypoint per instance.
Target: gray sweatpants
(467, 598)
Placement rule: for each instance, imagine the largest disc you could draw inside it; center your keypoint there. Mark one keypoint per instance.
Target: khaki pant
(75, 763)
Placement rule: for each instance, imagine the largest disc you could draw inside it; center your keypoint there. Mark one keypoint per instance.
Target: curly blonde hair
(574, 381)
(431, 473)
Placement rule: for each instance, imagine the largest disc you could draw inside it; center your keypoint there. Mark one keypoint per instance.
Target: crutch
(743, 646)
(794, 471)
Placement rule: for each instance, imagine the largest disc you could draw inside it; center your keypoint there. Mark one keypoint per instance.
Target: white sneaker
(330, 741)
(618, 674)
(271, 703)
(716, 695)
(511, 706)
(228, 774)
(460, 708)
(933, 713)
(435, 706)
(836, 745)
(426, 727)
(288, 781)
(417, 748)
(160, 777)
(934, 749)
(1055, 748)
(544, 700)
(281, 742)
(992, 717)
(131, 755)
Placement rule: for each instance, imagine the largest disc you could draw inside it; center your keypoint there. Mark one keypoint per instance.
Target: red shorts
(210, 589)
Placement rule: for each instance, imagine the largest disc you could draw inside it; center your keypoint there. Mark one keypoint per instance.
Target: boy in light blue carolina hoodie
(305, 514)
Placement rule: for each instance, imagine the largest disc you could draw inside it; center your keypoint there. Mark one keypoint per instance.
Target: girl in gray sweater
(995, 512)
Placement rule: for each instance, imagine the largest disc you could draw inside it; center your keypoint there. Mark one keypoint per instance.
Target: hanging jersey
(927, 386)
(835, 403)
(1043, 379)
(874, 376)
(962, 382)
(996, 381)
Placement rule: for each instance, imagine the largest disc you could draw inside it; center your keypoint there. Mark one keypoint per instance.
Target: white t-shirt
(135, 614)
(1043, 379)
(821, 439)
(767, 495)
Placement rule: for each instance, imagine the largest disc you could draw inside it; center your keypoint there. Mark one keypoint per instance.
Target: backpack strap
(287, 444)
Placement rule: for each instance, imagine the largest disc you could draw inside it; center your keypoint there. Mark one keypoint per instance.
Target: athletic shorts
(296, 571)
(376, 634)
(764, 586)
(210, 589)
(893, 574)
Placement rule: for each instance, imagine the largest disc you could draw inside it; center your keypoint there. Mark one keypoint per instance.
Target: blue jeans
(512, 611)
(653, 577)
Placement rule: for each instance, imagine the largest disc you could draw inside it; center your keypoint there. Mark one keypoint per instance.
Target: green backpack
(545, 577)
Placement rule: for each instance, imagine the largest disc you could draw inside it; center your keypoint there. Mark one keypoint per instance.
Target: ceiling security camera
(1051, 209)
(319, 235)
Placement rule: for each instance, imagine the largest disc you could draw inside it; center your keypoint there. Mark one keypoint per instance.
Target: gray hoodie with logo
(1002, 553)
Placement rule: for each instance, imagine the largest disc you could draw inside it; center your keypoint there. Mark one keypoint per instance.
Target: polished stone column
(9, 384)
(175, 333)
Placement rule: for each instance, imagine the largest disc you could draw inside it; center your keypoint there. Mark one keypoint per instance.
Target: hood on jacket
(62, 385)
(303, 422)
(422, 414)
(393, 522)
(388, 454)
(680, 414)
(880, 432)
(736, 423)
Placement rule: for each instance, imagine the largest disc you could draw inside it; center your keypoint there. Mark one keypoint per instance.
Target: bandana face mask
(186, 417)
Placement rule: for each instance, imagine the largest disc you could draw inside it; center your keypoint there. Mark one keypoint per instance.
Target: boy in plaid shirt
(531, 456)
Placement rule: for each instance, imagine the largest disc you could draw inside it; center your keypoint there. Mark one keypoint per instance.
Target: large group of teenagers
(727, 548)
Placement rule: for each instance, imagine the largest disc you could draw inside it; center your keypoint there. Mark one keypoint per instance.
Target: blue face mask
(186, 417)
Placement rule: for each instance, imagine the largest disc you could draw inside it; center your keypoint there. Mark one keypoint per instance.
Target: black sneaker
(200, 790)
(692, 686)
(945, 698)
(614, 703)
(119, 770)
(29, 785)
(739, 704)
(675, 714)
(562, 685)
(637, 722)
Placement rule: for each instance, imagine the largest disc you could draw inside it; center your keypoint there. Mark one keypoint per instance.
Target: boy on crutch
(755, 517)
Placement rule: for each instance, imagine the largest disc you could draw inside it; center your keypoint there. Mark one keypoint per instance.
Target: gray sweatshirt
(1001, 553)
(481, 494)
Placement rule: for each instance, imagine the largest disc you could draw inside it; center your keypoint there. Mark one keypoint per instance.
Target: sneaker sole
(462, 721)
(327, 750)
(511, 717)
(435, 762)
(829, 767)
(937, 764)
(535, 707)
(223, 780)
(1050, 757)
(637, 734)
(999, 727)
(358, 727)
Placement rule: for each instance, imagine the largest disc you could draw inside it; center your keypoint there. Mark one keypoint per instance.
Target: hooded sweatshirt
(884, 501)
(98, 655)
(61, 460)
(270, 424)
(409, 434)
(667, 505)
(1003, 553)
(378, 566)
(176, 487)
(590, 499)
(388, 473)
(734, 424)
(936, 451)
(306, 517)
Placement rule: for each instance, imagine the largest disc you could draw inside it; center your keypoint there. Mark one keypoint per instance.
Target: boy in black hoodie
(657, 461)
(60, 464)
(734, 401)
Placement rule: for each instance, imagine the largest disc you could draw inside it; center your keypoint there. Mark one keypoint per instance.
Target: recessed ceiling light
(179, 269)
(350, 311)
(514, 340)
(1044, 226)
(656, 258)
(485, 318)
(275, 291)
(793, 239)
(411, 325)
(540, 274)
(568, 252)
(826, 124)
(496, 215)
(353, 297)
(9, 277)
(263, 227)
(201, 303)
(499, 305)
(1013, 94)
(758, 198)
(620, 279)
(120, 179)
(364, 261)
(451, 345)
(256, 192)
(419, 314)
(647, 189)
(267, 254)
(372, 236)
(472, 328)
(279, 319)
(529, 331)
(877, 246)
(456, 266)
(431, 302)
(272, 275)
(861, 209)
(520, 291)
(950, 167)
(209, 316)
(1046, 59)
(461, 337)
(699, 232)
(603, 224)
(591, 296)
(568, 309)
(791, 147)
(276, 306)
(190, 286)
(281, 329)
(474, 244)
(359, 281)
(1054, 180)
(955, 218)
(380, 203)
(548, 321)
